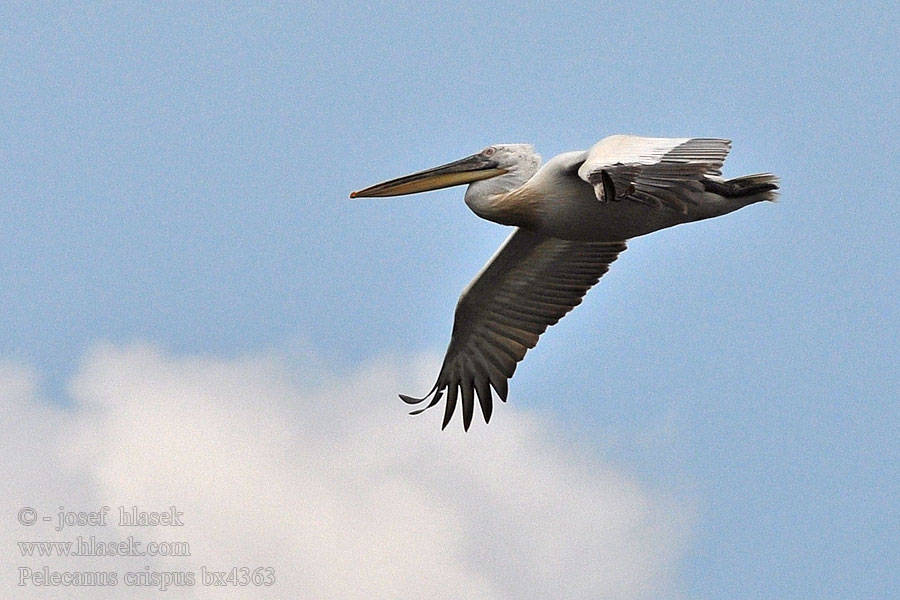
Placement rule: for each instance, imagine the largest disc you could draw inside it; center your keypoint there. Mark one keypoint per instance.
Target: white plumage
(572, 218)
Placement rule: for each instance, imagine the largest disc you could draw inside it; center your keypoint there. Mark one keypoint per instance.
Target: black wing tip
(450, 407)
(467, 421)
(435, 400)
(410, 399)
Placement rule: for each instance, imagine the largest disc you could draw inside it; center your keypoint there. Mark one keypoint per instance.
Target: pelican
(572, 217)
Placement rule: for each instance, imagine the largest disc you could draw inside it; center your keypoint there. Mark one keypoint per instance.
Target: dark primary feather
(530, 283)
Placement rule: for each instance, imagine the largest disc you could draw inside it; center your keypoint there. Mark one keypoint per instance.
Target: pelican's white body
(557, 200)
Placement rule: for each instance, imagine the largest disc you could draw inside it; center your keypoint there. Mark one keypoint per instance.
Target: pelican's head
(516, 162)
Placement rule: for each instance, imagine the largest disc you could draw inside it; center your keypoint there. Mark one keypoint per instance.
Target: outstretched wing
(528, 285)
(670, 172)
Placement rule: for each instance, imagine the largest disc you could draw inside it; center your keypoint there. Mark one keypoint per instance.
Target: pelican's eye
(489, 151)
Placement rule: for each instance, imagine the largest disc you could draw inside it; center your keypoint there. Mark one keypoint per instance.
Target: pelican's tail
(748, 189)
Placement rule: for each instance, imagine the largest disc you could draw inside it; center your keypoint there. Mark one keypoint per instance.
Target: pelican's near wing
(669, 172)
(528, 285)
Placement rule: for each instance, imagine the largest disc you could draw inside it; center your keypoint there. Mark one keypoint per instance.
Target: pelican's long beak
(466, 170)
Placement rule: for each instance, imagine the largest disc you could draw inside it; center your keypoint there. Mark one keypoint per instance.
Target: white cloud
(328, 483)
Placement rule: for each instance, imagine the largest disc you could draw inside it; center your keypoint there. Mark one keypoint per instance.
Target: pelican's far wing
(668, 172)
(529, 284)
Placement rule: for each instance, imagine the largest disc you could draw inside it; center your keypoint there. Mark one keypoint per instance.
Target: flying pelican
(572, 218)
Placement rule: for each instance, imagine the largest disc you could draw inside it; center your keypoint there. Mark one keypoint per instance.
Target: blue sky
(177, 176)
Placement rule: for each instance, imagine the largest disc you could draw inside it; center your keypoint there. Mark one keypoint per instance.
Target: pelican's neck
(505, 208)
(497, 199)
